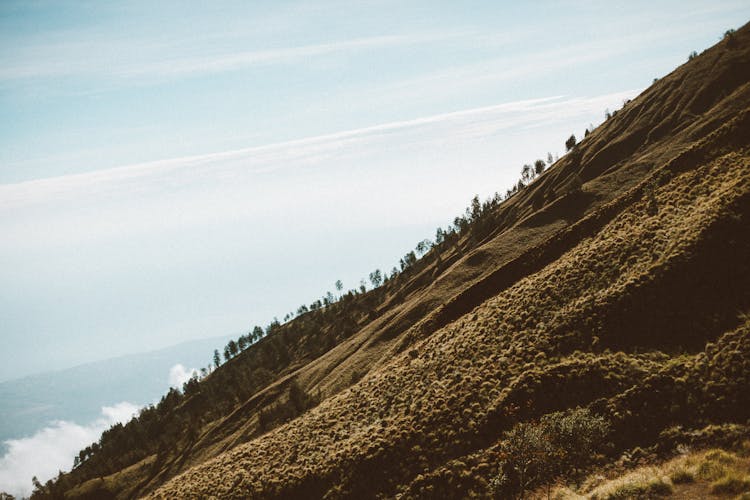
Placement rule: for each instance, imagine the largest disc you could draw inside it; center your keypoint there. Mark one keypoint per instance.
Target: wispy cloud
(231, 165)
(513, 66)
(52, 449)
(154, 60)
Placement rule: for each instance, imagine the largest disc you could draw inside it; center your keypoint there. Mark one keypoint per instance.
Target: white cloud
(52, 449)
(178, 375)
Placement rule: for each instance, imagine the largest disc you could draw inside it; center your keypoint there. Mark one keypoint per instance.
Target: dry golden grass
(712, 473)
(424, 406)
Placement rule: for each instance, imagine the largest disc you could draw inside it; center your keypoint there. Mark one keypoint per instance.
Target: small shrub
(655, 487)
(720, 456)
(731, 484)
(536, 452)
(710, 471)
(659, 487)
(682, 476)
(730, 38)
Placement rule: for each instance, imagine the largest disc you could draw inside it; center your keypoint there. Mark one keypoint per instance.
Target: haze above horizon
(172, 173)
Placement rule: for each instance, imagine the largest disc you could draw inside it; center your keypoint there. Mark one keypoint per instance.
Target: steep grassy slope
(622, 295)
(452, 393)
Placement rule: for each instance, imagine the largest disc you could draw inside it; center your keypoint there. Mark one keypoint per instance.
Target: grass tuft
(682, 476)
(732, 483)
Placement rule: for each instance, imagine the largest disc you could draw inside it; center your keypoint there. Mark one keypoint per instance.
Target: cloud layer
(52, 449)
(178, 375)
(177, 173)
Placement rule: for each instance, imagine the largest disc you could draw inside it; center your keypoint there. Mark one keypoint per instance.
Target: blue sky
(171, 171)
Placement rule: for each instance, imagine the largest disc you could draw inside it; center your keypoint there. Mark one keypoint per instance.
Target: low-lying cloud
(52, 449)
(178, 375)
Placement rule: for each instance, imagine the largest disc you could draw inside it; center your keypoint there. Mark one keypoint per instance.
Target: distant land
(77, 394)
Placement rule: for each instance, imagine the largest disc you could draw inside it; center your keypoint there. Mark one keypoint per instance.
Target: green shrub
(535, 453)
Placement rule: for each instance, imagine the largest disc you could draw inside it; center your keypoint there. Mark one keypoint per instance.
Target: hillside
(714, 473)
(617, 281)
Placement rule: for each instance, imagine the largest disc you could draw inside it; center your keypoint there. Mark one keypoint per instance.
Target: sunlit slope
(668, 270)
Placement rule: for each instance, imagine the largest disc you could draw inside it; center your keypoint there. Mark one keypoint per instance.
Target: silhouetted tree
(191, 387)
(539, 167)
(461, 223)
(423, 247)
(526, 173)
(476, 209)
(376, 278)
(570, 143)
(339, 285)
(439, 236)
(409, 260)
(730, 38)
(38, 488)
(233, 348)
(217, 358)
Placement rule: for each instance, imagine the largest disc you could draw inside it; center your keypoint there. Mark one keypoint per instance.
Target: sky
(174, 170)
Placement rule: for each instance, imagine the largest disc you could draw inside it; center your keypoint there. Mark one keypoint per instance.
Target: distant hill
(607, 299)
(77, 394)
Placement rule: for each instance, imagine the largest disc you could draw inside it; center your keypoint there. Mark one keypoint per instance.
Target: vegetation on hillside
(712, 473)
(595, 314)
(315, 329)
